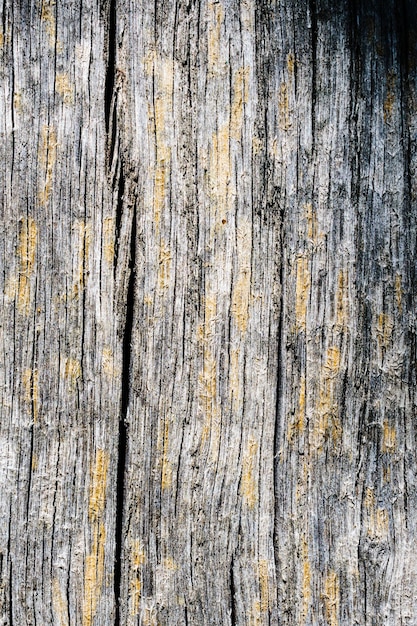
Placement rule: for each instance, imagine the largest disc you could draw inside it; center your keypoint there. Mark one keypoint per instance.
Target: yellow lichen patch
(220, 173)
(248, 483)
(166, 477)
(108, 239)
(215, 19)
(48, 18)
(93, 574)
(398, 292)
(169, 564)
(263, 584)
(72, 372)
(98, 485)
(64, 88)
(342, 313)
(311, 219)
(302, 290)
(306, 581)
(164, 272)
(240, 97)
(332, 598)
(384, 329)
(134, 596)
(284, 120)
(290, 63)
(1, 39)
(389, 438)
(30, 381)
(59, 604)
(47, 158)
(297, 425)
(26, 252)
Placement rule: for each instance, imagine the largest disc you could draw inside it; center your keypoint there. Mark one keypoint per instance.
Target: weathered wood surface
(209, 328)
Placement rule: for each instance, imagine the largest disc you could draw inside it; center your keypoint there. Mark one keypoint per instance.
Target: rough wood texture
(209, 330)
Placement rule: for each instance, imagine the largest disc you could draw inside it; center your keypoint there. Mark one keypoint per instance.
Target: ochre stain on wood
(290, 63)
(390, 97)
(240, 98)
(138, 556)
(47, 159)
(302, 291)
(215, 15)
(378, 521)
(284, 119)
(241, 291)
(26, 253)
(248, 486)
(234, 381)
(297, 425)
(30, 381)
(166, 477)
(332, 598)
(263, 585)
(169, 564)
(83, 246)
(98, 485)
(220, 173)
(164, 272)
(389, 438)
(342, 299)
(48, 19)
(327, 423)
(94, 562)
(311, 219)
(72, 372)
(59, 604)
(163, 78)
(399, 292)
(108, 363)
(306, 581)
(109, 239)
(208, 397)
(135, 588)
(384, 328)
(93, 574)
(64, 88)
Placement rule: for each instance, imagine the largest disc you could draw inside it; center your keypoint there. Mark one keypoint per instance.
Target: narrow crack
(110, 114)
(109, 90)
(122, 435)
(233, 620)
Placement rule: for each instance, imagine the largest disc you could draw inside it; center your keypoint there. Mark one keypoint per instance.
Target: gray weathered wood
(209, 329)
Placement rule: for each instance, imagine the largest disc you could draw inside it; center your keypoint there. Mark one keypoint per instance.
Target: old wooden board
(209, 329)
